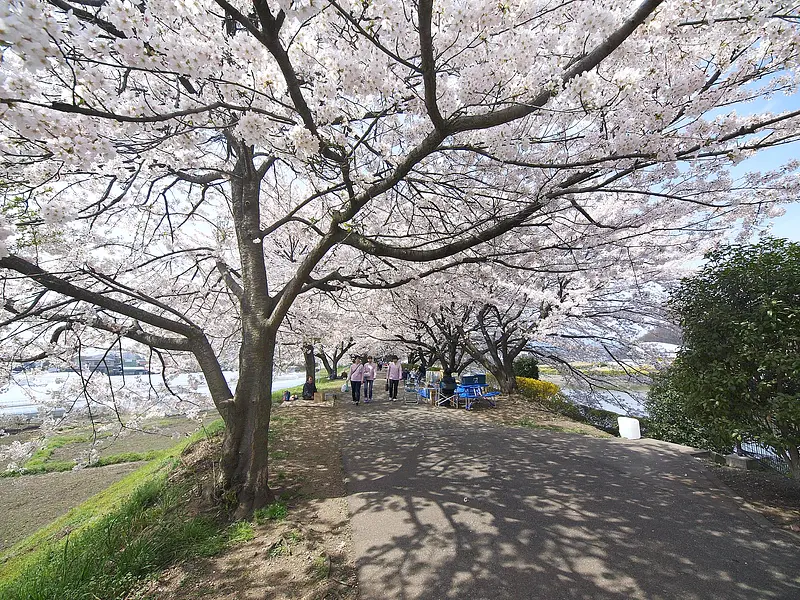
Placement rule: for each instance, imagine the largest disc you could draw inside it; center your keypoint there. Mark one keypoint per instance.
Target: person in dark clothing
(421, 371)
(309, 389)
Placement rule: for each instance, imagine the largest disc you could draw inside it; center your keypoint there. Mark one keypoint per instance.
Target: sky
(788, 226)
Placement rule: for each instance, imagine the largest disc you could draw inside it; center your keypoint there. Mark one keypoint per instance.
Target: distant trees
(737, 376)
(331, 355)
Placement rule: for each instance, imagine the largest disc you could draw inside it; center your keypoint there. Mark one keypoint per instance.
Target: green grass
(110, 545)
(123, 548)
(27, 551)
(126, 457)
(240, 531)
(321, 567)
(40, 463)
(118, 539)
(602, 369)
(277, 511)
(323, 385)
(43, 454)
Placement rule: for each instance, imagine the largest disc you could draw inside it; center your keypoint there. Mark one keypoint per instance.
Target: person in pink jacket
(356, 379)
(370, 371)
(394, 375)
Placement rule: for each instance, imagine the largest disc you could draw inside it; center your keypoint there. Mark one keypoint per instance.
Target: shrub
(549, 397)
(669, 419)
(526, 366)
(535, 389)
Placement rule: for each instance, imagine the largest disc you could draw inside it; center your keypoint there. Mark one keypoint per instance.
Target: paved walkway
(445, 505)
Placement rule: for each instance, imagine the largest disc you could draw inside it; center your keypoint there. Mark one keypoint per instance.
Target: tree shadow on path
(443, 507)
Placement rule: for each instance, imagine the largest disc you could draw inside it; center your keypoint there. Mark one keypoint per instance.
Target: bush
(549, 397)
(535, 389)
(526, 366)
(669, 419)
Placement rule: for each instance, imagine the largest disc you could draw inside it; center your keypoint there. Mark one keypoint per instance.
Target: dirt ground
(28, 503)
(770, 493)
(516, 410)
(308, 555)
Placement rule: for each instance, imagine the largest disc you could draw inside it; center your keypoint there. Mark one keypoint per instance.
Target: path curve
(444, 505)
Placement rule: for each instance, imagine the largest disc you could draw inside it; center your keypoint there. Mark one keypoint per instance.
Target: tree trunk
(794, 461)
(310, 360)
(330, 368)
(244, 450)
(506, 380)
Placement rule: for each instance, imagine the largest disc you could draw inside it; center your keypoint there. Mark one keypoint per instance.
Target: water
(28, 393)
(622, 403)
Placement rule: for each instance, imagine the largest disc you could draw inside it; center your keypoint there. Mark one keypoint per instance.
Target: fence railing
(766, 456)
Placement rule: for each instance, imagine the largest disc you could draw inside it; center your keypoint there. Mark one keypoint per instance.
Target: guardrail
(766, 456)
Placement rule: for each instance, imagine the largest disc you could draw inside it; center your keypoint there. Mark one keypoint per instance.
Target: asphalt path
(444, 505)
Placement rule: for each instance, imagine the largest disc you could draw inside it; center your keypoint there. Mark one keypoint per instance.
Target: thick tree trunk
(794, 461)
(244, 450)
(310, 360)
(506, 380)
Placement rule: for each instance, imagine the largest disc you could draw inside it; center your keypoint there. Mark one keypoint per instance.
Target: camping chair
(447, 395)
(410, 394)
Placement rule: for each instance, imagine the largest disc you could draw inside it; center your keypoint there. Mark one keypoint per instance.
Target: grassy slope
(23, 552)
(28, 551)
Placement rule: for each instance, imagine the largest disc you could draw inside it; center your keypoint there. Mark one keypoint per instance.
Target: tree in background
(180, 173)
(429, 328)
(331, 354)
(526, 366)
(737, 375)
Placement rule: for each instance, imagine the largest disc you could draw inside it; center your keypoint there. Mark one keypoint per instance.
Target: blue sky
(788, 226)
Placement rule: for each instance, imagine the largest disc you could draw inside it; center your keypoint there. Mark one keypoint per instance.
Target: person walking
(356, 379)
(394, 374)
(370, 371)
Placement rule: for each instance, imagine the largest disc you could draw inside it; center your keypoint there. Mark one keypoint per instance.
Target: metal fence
(766, 456)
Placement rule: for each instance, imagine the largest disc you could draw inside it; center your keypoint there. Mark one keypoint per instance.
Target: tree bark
(794, 461)
(329, 367)
(244, 451)
(245, 465)
(310, 362)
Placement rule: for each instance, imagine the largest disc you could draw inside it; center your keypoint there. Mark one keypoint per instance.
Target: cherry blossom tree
(330, 356)
(179, 173)
(435, 332)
